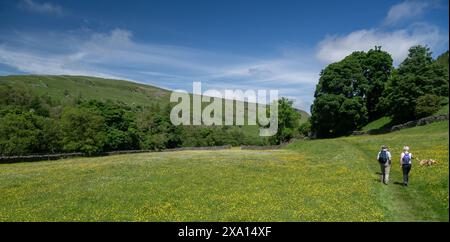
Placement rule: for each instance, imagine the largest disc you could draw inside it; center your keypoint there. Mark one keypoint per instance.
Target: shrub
(305, 129)
(82, 130)
(427, 105)
(19, 134)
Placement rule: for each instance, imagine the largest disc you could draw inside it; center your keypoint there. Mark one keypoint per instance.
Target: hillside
(65, 87)
(137, 118)
(443, 59)
(319, 180)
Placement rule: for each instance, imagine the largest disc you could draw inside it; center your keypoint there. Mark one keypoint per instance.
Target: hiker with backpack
(405, 164)
(384, 158)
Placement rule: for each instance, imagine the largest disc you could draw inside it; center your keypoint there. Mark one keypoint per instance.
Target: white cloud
(397, 42)
(116, 55)
(78, 52)
(394, 39)
(280, 71)
(53, 65)
(406, 10)
(44, 7)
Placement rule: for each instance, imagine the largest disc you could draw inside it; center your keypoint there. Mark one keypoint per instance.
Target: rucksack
(406, 158)
(383, 158)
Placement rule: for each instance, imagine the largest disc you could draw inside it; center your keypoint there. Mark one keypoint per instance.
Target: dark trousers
(406, 169)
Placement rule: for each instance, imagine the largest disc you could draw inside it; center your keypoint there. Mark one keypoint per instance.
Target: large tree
(348, 92)
(83, 130)
(288, 122)
(344, 78)
(417, 75)
(23, 132)
(325, 111)
(377, 67)
(353, 88)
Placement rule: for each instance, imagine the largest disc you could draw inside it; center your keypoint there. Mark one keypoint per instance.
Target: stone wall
(42, 157)
(255, 147)
(410, 124)
(271, 147)
(420, 122)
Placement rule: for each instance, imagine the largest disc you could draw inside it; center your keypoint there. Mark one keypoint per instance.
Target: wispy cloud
(407, 10)
(41, 7)
(400, 29)
(396, 42)
(116, 54)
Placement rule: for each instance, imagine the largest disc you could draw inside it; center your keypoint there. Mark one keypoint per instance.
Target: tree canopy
(417, 75)
(348, 92)
(288, 122)
(365, 86)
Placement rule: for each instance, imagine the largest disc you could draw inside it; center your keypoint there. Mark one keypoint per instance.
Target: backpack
(406, 159)
(383, 158)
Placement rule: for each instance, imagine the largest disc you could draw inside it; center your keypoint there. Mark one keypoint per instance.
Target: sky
(246, 44)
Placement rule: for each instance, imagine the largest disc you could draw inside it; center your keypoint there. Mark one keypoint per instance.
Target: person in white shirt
(384, 158)
(405, 164)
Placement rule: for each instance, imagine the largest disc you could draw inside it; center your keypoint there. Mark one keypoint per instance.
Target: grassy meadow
(319, 180)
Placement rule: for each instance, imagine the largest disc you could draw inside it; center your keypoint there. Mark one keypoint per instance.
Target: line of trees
(32, 124)
(365, 86)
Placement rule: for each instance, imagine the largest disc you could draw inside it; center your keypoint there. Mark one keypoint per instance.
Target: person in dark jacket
(384, 158)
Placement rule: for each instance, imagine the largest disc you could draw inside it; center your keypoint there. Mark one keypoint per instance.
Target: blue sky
(245, 44)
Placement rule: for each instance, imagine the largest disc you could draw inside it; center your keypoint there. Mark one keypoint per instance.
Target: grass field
(320, 180)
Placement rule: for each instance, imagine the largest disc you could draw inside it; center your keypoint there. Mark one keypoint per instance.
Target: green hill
(63, 88)
(318, 180)
(443, 60)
